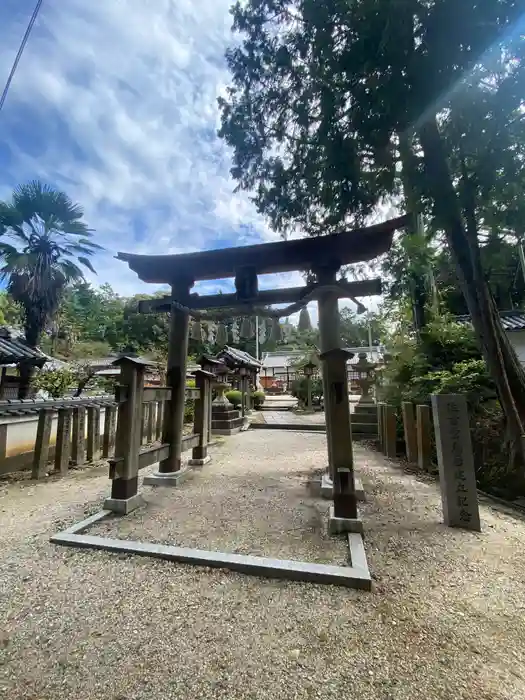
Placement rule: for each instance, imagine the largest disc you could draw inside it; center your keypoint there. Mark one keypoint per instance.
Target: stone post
(248, 394)
(343, 514)
(424, 446)
(202, 419)
(43, 434)
(330, 339)
(390, 431)
(409, 428)
(169, 473)
(110, 424)
(309, 393)
(244, 397)
(93, 430)
(381, 425)
(78, 448)
(63, 444)
(457, 476)
(124, 467)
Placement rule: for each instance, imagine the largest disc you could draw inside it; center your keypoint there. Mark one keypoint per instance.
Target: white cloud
(116, 103)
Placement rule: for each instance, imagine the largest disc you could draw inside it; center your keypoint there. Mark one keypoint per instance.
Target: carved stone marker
(457, 477)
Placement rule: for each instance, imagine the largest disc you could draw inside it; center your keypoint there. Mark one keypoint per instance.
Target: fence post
(78, 450)
(63, 444)
(158, 423)
(110, 424)
(390, 431)
(409, 428)
(124, 466)
(423, 420)
(43, 433)
(3, 440)
(145, 414)
(93, 427)
(150, 422)
(200, 454)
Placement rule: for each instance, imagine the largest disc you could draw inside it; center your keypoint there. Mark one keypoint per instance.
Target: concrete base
(327, 488)
(199, 462)
(356, 575)
(169, 479)
(337, 526)
(226, 431)
(123, 506)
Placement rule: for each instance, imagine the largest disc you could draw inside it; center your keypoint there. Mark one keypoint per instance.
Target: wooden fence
(418, 432)
(85, 431)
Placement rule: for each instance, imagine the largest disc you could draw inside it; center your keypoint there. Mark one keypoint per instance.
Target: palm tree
(49, 241)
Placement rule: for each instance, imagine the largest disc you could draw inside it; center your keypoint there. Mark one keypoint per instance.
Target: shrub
(55, 382)
(234, 397)
(258, 398)
(299, 389)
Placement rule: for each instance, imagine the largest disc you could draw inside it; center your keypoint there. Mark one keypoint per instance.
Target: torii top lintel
(353, 246)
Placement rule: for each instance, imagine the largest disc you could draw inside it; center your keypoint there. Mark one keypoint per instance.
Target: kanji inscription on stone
(457, 476)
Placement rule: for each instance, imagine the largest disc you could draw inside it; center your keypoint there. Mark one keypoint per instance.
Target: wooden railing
(72, 432)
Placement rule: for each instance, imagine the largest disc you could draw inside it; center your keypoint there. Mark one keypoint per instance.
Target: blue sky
(114, 101)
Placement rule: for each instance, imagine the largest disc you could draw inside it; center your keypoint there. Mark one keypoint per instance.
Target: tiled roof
(510, 320)
(273, 360)
(14, 349)
(239, 357)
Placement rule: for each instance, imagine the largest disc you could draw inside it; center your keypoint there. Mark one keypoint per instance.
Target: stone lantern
(308, 371)
(365, 377)
(221, 385)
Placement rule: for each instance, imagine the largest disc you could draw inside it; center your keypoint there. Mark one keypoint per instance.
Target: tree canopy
(337, 107)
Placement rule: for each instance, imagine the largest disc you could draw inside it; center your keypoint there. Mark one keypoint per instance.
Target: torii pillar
(343, 513)
(170, 471)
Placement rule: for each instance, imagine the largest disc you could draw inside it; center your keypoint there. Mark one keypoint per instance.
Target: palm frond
(70, 270)
(37, 198)
(87, 263)
(49, 239)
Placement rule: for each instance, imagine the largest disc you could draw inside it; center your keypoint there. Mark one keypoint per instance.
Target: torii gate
(323, 256)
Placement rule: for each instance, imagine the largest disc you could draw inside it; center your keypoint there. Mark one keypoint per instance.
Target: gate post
(343, 513)
(200, 454)
(170, 472)
(124, 467)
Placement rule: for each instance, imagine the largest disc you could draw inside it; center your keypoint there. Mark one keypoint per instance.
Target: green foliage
(11, 313)
(258, 398)
(445, 350)
(55, 382)
(299, 389)
(189, 410)
(234, 397)
(49, 243)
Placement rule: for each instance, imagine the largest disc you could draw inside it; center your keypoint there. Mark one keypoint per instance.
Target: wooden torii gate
(322, 256)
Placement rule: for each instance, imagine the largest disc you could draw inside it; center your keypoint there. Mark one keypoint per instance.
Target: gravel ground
(445, 620)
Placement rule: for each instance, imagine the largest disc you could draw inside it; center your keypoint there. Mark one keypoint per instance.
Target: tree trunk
(418, 290)
(26, 371)
(499, 355)
(26, 375)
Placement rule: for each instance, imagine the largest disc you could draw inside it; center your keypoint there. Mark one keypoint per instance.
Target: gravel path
(445, 621)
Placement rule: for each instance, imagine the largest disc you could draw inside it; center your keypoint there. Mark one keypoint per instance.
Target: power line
(20, 52)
